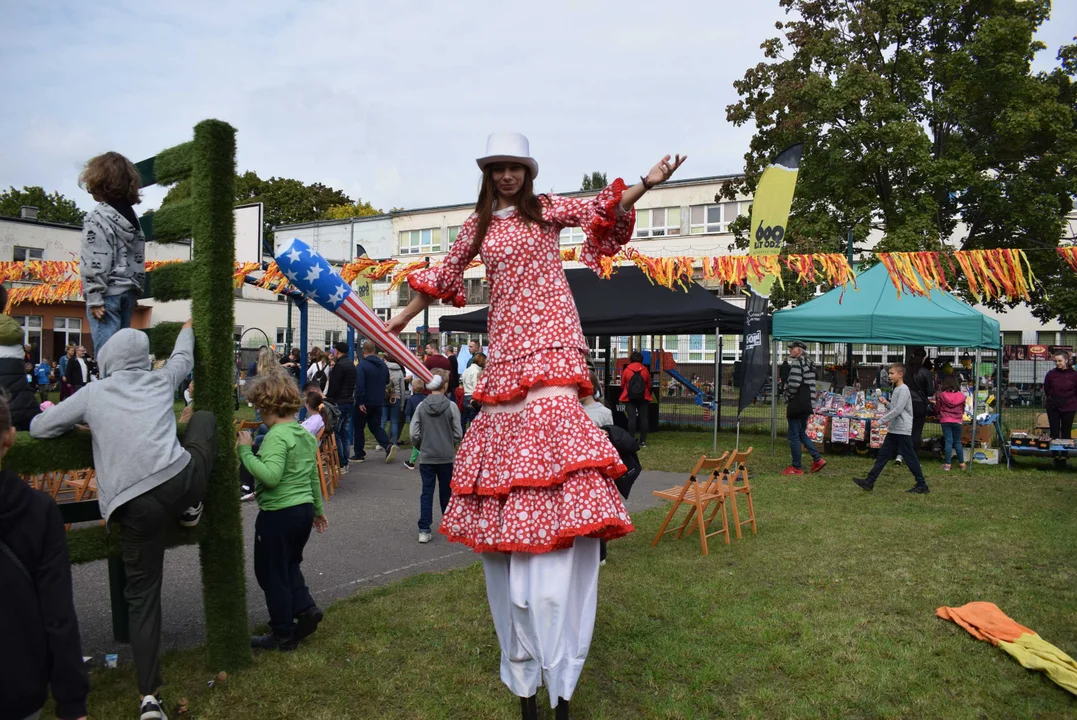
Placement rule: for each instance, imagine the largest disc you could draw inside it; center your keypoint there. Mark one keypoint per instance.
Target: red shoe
(792, 471)
(818, 465)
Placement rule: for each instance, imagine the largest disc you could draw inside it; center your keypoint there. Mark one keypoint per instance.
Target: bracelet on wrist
(643, 179)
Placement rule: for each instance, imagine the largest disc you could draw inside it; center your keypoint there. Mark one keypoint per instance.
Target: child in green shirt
(289, 498)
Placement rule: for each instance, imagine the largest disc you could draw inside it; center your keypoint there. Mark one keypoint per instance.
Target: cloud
(388, 101)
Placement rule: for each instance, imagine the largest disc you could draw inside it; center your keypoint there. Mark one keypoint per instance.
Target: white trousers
(544, 613)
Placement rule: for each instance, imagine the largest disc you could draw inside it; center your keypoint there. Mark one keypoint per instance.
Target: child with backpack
(435, 431)
(316, 413)
(289, 505)
(636, 395)
(950, 404)
(418, 394)
(37, 611)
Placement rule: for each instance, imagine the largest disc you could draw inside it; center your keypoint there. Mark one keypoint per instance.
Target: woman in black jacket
(921, 387)
(37, 612)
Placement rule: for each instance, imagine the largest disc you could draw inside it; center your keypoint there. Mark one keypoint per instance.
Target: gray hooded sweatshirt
(131, 418)
(113, 257)
(435, 430)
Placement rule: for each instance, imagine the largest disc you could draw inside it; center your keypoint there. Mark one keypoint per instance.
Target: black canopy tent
(630, 304)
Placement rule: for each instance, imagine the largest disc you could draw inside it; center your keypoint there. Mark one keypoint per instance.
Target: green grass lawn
(828, 612)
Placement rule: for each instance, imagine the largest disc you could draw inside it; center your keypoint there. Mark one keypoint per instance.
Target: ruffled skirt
(534, 473)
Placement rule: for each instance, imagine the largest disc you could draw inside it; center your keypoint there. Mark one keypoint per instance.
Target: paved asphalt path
(372, 540)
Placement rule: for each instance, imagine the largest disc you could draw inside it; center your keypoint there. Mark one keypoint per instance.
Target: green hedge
(224, 579)
(170, 282)
(172, 223)
(91, 543)
(28, 456)
(173, 164)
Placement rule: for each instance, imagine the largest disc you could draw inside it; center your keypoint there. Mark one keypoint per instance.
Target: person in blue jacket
(43, 375)
(371, 379)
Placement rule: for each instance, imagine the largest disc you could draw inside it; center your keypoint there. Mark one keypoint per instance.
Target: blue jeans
(344, 433)
(440, 474)
(951, 437)
(391, 414)
(798, 435)
(118, 312)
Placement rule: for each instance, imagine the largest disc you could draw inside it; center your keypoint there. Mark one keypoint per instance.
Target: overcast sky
(388, 101)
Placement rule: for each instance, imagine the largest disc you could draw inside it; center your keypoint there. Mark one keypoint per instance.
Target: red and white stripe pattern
(359, 316)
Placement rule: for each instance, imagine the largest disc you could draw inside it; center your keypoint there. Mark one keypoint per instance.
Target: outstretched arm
(657, 175)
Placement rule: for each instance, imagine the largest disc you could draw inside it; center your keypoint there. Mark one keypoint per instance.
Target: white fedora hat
(508, 147)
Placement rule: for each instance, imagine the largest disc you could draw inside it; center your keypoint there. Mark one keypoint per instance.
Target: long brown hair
(528, 205)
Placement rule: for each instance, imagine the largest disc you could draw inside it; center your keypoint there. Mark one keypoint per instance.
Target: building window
(453, 233)
(22, 254)
(708, 219)
(237, 334)
(420, 242)
(658, 222)
(332, 337)
(31, 334)
(383, 313)
(66, 331)
(1068, 339)
(477, 291)
(1011, 338)
(1046, 338)
(284, 336)
(572, 236)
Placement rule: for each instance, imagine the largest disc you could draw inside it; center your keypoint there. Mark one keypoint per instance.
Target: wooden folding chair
(83, 485)
(322, 470)
(332, 461)
(697, 495)
(737, 472)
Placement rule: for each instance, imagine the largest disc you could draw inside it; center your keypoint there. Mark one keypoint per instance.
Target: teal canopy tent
(874, 313)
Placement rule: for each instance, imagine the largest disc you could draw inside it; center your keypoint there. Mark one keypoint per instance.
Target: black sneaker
(307, 622)
(151, 709)
(191, 516)
(919, 490)
(864, 484)
(409, 464)
(270, 641)
(642, 445)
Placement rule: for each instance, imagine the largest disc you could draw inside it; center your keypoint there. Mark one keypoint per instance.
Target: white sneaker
(379, 448)
(389, 456)
(899, 460)
(191, 516)
(424, 537)
(246, 497)
(151, 709)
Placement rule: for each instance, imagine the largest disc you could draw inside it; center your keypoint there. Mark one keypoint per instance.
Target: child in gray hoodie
(113, 258)
(898, 439)
(147, 479)
(435, 431)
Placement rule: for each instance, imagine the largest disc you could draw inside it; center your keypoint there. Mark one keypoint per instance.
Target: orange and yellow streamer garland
(991, 274)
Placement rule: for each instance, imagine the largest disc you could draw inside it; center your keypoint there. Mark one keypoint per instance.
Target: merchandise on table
(816, 429)
(839, 430)
(857, 430)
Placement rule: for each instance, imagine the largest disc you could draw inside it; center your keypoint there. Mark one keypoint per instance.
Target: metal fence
(688, 397)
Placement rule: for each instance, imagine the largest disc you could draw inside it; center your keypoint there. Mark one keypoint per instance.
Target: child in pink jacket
(950, 403)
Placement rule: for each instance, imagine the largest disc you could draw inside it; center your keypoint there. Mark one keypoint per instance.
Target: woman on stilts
(533, 483)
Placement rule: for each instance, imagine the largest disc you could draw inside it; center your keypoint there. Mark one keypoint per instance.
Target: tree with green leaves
(51, 207)
(594, 181)
(285, 201)
(921, 120)
(359, 208)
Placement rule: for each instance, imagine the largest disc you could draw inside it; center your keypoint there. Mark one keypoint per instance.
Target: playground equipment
(207, 219)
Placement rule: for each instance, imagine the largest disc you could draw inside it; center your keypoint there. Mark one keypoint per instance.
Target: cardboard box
(984, 433)
(985, 456)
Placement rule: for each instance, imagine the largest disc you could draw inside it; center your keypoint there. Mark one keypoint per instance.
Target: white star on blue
(309, 273)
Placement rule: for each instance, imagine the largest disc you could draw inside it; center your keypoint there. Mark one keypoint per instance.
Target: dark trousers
(897, 445)
(344, 433)
(441, 474)
(637, 409)
(371, 419)
(144, 522)
(1061, 423)
(917, 440)
(279, 539)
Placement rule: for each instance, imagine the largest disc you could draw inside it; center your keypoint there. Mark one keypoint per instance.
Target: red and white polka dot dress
(533, 472)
